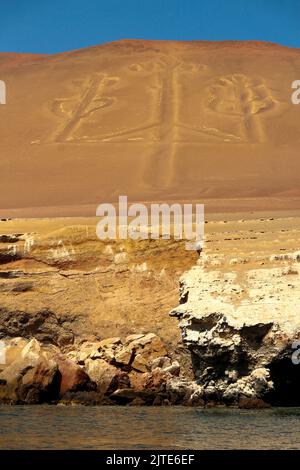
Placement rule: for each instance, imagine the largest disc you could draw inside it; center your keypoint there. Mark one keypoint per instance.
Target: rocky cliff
(59, 283)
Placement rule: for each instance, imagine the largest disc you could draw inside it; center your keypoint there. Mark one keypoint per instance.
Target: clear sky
(49, 26)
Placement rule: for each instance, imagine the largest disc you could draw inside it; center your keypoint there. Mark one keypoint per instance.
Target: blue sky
(49, 26)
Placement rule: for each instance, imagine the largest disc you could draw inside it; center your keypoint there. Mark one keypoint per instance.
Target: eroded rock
(73, 377)
(93, 373)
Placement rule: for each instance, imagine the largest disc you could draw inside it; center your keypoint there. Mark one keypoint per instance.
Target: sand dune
(156, 120)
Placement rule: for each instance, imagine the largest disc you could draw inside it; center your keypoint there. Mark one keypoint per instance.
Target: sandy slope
(154, 120)
(58, 275)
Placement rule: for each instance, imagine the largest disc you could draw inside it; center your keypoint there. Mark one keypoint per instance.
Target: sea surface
(79, 427)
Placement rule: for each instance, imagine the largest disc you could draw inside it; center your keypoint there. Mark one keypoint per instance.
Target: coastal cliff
(86, 321)
(239, 319)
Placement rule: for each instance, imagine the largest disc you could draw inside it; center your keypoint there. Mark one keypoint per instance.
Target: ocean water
(79, 427)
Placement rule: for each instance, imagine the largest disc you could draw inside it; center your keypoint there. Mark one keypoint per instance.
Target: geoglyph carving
(230, 108)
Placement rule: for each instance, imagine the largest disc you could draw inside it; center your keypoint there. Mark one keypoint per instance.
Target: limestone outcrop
(240, 323)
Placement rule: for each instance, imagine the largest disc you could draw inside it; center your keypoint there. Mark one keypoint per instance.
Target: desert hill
(156, 120)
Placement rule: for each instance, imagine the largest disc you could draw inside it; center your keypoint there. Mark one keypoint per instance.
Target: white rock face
(239, 324)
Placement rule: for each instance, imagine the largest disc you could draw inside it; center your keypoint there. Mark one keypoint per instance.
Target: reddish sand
(163, 121)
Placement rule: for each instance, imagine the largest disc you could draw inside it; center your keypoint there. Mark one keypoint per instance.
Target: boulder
(147, 348)
(32, 377)
(110, 343)
(40, 384)
(101, 373)
(125, 357)
(13, 348)
(183, 392)
(141, 363)
(106, 376)
(32, 349)
(156, 380)
(161, 362)
(119, 381)
(85, 351)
